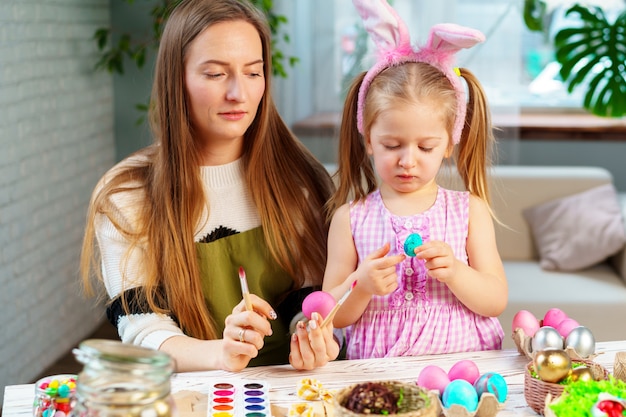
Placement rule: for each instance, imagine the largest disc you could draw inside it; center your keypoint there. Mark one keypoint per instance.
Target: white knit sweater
(230, 207)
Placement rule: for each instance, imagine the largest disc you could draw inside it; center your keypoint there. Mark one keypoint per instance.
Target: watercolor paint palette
(239, 398)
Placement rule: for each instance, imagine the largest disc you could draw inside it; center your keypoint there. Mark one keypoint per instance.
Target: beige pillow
(577, 231)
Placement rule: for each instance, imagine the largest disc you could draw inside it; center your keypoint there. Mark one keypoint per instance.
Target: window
(514, 64)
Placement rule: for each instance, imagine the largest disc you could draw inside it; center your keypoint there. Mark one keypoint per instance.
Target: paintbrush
(332, 312)
(244, 289)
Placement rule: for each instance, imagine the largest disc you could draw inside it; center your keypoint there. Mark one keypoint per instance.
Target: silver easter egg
(546, 337)
(582, 341)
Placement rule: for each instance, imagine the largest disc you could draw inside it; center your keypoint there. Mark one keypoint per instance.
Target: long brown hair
(288, 185)
(410, 82)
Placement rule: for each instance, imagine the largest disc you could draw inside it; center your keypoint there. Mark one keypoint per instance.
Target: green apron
(219, 264)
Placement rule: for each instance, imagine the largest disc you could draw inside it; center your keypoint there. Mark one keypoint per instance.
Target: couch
(595, 296)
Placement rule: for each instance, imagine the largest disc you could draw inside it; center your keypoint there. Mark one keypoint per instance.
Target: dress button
(408, 296)
(408, 224)
(408, 272)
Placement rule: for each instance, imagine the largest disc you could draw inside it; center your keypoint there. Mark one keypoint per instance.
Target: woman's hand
(440, 261)
(314, 347)
(244, 333)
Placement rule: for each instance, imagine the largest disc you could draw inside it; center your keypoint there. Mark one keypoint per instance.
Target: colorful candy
(54, 396)
(608, 406)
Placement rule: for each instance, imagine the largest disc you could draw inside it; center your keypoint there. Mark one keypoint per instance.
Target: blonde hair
(288, 185)
(412, 82)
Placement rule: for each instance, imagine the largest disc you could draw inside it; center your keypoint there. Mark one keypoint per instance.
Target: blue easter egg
(412, 241)
(460, 392)
(492, 383)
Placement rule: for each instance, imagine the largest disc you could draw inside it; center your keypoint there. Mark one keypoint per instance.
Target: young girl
(407, 113)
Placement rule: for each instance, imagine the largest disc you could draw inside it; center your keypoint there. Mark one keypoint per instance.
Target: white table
(284, 379)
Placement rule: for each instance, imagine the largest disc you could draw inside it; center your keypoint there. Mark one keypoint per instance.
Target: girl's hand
(440, 261)
(244, 333)
(377, 273)
(315, 347)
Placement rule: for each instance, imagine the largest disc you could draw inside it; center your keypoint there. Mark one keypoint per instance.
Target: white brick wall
(56, 140)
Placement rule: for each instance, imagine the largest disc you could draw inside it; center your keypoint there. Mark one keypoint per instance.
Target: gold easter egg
(582, 373)
(552, 365)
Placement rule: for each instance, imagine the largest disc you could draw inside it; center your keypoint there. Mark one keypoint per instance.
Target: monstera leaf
(595, 53)
(535, 15)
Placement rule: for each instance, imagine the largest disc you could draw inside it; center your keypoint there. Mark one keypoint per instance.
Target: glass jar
(120, 379)
(54, 394)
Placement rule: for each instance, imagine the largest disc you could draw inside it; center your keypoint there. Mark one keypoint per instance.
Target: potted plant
(591, 54)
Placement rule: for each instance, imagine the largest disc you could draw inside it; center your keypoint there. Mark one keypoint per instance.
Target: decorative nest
(578, 397)
(537, 391)
(384, 397)
(523, 343)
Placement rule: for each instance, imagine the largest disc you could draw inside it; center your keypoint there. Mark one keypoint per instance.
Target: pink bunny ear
(444, 41)
(453, 38)
(386, 28)
(391, 37)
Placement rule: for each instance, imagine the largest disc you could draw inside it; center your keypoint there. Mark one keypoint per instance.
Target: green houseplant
(592, 54)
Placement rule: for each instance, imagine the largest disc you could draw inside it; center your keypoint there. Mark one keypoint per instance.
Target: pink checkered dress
(422, 316)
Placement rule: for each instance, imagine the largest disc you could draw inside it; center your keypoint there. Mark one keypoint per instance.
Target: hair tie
(393, 44)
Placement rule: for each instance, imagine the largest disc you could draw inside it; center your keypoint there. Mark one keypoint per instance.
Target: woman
(225, 185)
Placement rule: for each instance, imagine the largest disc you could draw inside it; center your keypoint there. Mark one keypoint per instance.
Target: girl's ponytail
(474, 154)
(355, 174)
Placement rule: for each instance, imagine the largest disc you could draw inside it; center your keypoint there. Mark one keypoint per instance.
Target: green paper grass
(578, 397)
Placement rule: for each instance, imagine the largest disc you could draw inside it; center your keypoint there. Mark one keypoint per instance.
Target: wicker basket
(417, 402)
(536, 391)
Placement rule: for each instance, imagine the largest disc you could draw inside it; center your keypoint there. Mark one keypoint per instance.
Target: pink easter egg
(526, 321)
(318, 301)
(566, 326)
(432, 377)
(554, 317)
(465, 369)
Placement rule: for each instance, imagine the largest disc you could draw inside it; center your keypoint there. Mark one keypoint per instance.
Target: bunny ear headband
(393, 42)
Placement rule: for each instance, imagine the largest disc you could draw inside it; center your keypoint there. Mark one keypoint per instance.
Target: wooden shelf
(319, 124)
(526, 126)
(563, 126)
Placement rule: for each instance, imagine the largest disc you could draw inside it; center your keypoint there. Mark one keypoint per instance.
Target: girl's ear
(449, 149)
(368, 145)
